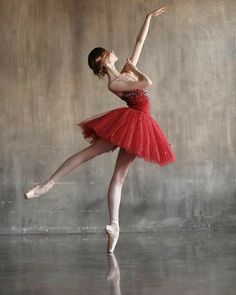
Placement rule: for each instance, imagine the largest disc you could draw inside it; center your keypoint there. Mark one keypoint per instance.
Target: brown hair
(96, 59)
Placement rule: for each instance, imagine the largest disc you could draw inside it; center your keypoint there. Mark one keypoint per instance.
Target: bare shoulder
(122, 79)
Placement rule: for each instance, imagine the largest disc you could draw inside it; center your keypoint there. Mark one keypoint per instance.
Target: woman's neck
(112, 73)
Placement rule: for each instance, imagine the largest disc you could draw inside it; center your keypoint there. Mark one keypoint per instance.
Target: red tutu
(131, 128)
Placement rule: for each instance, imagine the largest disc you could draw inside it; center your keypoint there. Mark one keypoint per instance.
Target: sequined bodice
(137, 99)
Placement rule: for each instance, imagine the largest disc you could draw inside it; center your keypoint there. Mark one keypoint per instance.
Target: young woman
(130, 128)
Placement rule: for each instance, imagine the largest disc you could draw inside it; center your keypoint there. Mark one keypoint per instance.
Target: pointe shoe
(39, 190)
(112, 231)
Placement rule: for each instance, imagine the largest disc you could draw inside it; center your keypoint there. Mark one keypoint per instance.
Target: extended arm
(140, 40)
(142, 35)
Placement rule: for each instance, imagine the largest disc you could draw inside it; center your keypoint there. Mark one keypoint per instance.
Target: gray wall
(47, 87)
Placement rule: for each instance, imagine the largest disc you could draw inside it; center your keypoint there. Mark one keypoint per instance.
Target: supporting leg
(123, 162)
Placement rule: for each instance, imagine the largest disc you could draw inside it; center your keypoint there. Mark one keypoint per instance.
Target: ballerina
(130, 128)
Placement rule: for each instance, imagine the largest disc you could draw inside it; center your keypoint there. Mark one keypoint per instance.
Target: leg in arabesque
(123, 162)
(97, 148)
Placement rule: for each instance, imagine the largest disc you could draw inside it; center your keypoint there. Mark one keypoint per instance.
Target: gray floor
(154, 263)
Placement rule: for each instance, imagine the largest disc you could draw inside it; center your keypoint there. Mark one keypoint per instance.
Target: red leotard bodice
(137, 99)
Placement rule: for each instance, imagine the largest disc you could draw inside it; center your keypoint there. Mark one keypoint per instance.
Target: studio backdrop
(47, 87)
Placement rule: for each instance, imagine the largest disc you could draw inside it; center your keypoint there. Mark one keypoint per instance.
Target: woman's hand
(157, 12)
(129, 66)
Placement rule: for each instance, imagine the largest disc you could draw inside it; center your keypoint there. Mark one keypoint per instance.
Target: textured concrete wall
(46, 88)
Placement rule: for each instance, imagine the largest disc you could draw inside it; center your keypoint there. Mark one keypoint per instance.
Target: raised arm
(140, 40)
(142, 35)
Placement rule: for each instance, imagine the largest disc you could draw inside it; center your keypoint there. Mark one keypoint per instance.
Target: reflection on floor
(154, 263)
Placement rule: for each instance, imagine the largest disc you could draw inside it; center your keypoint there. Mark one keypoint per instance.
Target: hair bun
(96, 61)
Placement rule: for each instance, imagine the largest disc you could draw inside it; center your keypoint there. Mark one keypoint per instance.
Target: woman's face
(112, 58)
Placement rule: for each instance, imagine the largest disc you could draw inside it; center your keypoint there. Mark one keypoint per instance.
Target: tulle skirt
(131, 129)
